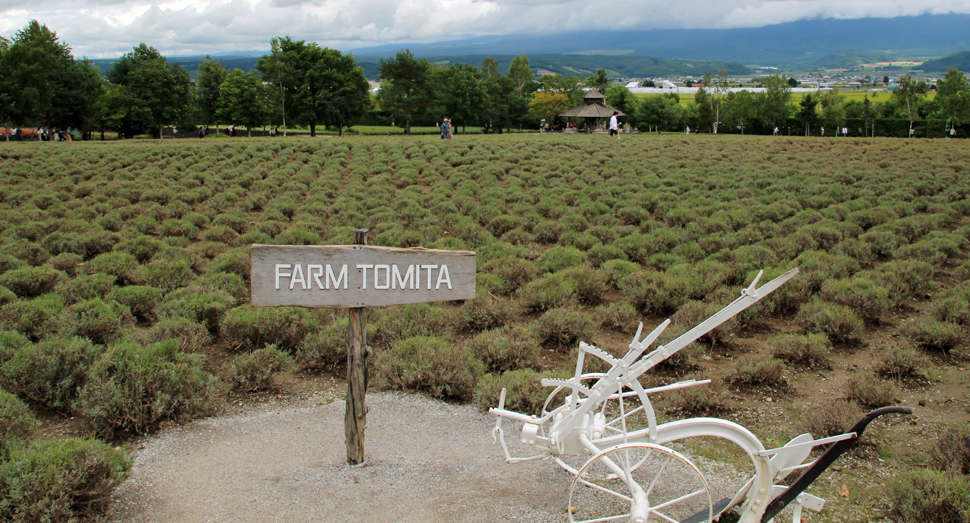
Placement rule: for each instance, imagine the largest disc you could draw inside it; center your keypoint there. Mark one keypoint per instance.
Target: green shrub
(28, 282)
(326, 348)
(207, 308)
(756, 370)
(559, 257)
(141, 247)
(61, 480)
(17, 422)
(830, 419)
(190, 335)
(898, 363)
(620, 315)
(411, 320)
(255, 370)
(50, 373)
(523, 391)
(85, 287)
(429, 365)
(121, 265)
(931, 334)
(931, 496)
(953, 306)
(868, 298)
(810, 350)
(132, 388)
(563, 327)
(711, 399)
(648, 291)
(952, 451)
(484, 313)
(838, 322)
(98, 320)
(141, 300)
(35, 318)
(591, 284)
(6, 296)
(547, 292)
(870, 391)
(508, 348)
(248, 328)
(513, 272)
(168, 274)
(67, 262)
(235, 261)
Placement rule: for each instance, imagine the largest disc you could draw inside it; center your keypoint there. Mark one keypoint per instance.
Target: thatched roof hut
(593, 107)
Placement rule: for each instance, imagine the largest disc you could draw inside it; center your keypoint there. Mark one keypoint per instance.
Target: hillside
(959, 60)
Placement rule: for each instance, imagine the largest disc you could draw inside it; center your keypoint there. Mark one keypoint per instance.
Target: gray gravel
(427, 461)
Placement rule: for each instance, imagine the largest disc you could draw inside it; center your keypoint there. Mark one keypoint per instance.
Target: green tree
(504, 106)
(953, 93)
(243, 100)
(405, 88)
(775, 103)
(111, 110)
(660, 112)
(275, 69)
(619, 97)
(807, 114)
(548, 105)
(739, 109)
(521, 74)
(598, 81)
(907, 96)
(42, 84)
(571, 86)
(463, 94)
(207, 88)
(833, 107)
(319, 85)
(157, 93)
(716, 88)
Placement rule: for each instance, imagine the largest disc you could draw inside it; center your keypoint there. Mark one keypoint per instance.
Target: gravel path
(427, 462)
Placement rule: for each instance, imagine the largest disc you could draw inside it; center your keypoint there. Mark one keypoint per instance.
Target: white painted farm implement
(604, 432)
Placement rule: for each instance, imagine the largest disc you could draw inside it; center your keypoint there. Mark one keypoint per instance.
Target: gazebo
(592, 108)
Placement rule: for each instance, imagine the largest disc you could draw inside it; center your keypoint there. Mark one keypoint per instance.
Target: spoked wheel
(641, 483)
(622, 413)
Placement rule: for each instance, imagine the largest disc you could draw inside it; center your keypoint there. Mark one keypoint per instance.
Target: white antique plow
(592, 425)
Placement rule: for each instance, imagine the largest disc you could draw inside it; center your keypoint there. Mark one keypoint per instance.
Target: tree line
(300, 83)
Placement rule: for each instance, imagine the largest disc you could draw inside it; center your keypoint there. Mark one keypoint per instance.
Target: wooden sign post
(355, 277)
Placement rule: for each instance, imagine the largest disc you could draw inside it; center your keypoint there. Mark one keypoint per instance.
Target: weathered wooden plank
(358, 275)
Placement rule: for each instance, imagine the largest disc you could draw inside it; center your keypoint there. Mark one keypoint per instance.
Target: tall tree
(953, 93)
(319, 85)
(243, 100)
(275, 69)
(405, 89)
(807, 114)
(598, 80)
(464, 94)
(548, 105)
(207, 89)
(739, 109)
(521, 74)
(716, 88)
(833, 107)
(42, 84)
(775, 102)
(157, 93)
(619, 97)
(907, 96)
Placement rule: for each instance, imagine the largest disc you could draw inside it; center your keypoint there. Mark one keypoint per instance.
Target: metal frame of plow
(583, 425)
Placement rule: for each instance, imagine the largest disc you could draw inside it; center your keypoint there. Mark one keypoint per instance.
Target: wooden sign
(358, 275)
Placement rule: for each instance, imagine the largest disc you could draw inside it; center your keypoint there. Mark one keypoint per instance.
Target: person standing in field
(614, 127)
(823, 132)
(450, 129)
(688, 130)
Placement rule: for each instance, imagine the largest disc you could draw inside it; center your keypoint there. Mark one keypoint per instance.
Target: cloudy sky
(109, 28)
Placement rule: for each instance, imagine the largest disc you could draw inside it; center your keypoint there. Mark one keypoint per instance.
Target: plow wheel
(640, 483)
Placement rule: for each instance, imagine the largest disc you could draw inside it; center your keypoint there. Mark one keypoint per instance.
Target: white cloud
(98, 28)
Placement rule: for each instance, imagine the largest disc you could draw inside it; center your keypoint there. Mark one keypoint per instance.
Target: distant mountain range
(795, 46)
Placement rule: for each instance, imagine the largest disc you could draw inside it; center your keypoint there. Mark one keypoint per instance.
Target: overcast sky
(109, 28)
